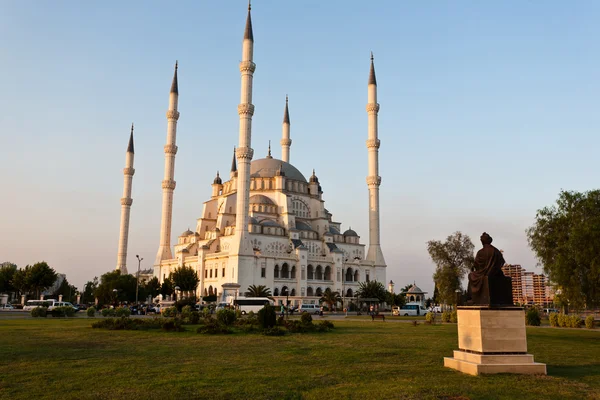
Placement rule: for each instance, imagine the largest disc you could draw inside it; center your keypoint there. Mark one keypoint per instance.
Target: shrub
(117, 324)
(589, 322)
(213, 327)
(446, 316)
(280, 321)
(296, 326)
(251, 314)
(430, 318)
(186, 311)
(274, 331)
(553, 319)
(454, 317)
(39, 312)
(306, 318)
(563, 320)
(206, 312)
(575, 321)
(170, 312)
(226, 316)
(65, 311)
(194, 318)
(122, 312)
(108, 312)
(91, 312)
(532, 317)
(172, 325)
(267, 317)
(181, 304)
(238, 314)
(325, 326)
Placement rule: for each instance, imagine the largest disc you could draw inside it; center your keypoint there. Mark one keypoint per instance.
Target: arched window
(311, 272)
(327, 273)
(319, 292)
(285, 271)
(276, 292)
(349, 293)
(293, 276)
(210, 290)
(276, 271)
(293, 292)
(412, 298)
(284, 291)
(349, 275)
(319, 273)
(356, 276)
(309, 291)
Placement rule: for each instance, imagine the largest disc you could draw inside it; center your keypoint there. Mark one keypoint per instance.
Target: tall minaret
(168, 183)
(126, 202)
(373, 180)
(244, 152)
(286, 142)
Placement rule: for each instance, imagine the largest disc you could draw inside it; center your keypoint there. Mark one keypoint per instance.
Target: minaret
(233, 171)
(126, 202)
(374, 253)
(168, 183)
(244, 152)
(286, 142)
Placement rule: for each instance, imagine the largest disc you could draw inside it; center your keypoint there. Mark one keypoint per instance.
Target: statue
(487, 283)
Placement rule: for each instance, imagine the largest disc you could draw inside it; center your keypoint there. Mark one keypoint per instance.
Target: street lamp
(175, 289)
(457, 291)
(137, 281)
(115, 291)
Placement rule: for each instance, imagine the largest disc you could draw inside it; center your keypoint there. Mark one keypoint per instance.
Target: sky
(487, 112)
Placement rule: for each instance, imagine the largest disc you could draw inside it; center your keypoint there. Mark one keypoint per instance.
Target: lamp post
(457, 291)
(287, 303)
(137, 280)
(115, 291)
(175, 289)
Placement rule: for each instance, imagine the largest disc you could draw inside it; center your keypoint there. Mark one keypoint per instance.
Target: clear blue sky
(487, 110)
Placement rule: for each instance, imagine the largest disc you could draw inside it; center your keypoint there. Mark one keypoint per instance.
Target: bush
(280, 321)
(532, 317)
(274, 331)
(39, 312)
(563, 320)
(122, 312)
(226, 316)
(170, 312)
(194, 318)
(454, 317)
(172, 325)
(65, 311)
(186, 311)
(446, 315)
(553, 319)
(267, 317)
(306, 318)
(238, 314)
(181, 304)
(117, 324)
(325, 326)
(108, 312)
(589, 322)
(575, 321)
(91, 312)
(296, 326)
(206, 312)
(213, 327)
(430, 318)
(251, 314)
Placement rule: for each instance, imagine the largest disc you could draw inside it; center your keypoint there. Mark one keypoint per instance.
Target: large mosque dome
(268, 167)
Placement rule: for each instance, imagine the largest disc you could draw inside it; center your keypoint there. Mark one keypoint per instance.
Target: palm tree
(258, 291)
(331, 298)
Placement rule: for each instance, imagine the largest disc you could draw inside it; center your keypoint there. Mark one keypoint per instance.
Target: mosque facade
(267, 224)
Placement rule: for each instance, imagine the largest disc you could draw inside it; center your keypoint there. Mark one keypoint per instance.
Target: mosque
(267, 225)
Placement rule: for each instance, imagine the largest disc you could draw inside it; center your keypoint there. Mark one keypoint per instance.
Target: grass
(65, 358)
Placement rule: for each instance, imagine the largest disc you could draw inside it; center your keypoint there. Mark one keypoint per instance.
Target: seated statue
(487, 283)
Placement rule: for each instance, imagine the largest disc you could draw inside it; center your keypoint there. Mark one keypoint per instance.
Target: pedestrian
(282, 310)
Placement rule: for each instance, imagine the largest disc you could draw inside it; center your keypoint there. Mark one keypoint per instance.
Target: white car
(4, 307)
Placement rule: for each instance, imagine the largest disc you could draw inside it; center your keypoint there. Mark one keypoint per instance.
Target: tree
(453, 259)
(565, 238)
(330, 298)
(258, 291)
(372, 290)
(186, 278)
(124, 284)
(88, 291)
(34, 278)
(68, 291)
(167, 288)
(436, 296)
(153, 287)
(7, 273)
(398, 299)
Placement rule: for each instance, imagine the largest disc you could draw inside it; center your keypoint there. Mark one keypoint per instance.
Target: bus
(247, 304)
(31, 304)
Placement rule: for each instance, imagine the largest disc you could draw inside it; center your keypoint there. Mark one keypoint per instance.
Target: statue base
(492, 340)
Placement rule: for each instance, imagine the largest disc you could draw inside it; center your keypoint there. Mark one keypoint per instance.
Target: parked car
(81, 307)
(5, 307)
(310, 308)
(413, 309)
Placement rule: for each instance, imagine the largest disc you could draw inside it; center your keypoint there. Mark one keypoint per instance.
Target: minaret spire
(374, 253)
(269, 152)
(168, 183)
(126, 202)
(286, 142)
(244, 152)
(233, 171)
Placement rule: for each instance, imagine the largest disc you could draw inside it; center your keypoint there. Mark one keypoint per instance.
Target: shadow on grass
(574, 371)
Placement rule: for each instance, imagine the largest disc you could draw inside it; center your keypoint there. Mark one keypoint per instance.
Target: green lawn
(66, 359)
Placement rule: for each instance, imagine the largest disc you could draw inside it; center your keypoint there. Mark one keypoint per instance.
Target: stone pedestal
(492, 340)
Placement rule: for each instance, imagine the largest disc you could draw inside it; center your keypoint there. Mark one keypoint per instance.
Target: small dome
(268, 222)
(261, 199)
(218, 180)
(186, 233)
(313, 178)
(303, 226)
(414, 289)
(350, 232)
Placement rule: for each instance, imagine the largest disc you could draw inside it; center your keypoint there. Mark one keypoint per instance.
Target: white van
(309, 308)
(31, 304)
(412, 309)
